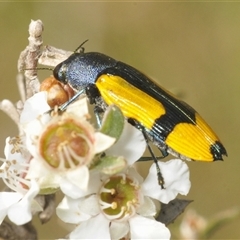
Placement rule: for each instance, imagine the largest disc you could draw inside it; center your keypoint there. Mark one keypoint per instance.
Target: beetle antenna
(81, 49)
(43, 68)
(66, 104)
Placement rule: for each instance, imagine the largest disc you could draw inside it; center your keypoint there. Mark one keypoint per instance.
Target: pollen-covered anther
(105, 205)
(121, 203)
(114, 205)
(112, 191)
(14, 162)
(16, 143)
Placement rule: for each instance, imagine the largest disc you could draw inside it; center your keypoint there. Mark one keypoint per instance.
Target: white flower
(97, 212)
(20, 204)
(62, 144)
(117, 209)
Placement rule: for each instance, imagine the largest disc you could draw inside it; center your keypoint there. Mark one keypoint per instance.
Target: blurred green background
(192, 49)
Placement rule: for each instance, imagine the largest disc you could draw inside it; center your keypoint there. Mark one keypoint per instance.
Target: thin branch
(28, 58)
(47, 202)
(52, 56)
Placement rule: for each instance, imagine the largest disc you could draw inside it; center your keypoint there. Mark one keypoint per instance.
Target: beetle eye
(59, 73)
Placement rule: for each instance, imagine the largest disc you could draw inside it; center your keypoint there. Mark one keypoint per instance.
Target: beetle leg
(97, 112)
(159, 174)
(153, 157)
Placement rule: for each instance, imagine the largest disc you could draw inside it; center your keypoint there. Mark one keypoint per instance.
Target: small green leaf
(113, 122)
(110, 165)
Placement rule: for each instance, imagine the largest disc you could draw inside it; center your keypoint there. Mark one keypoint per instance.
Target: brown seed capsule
(58, 93)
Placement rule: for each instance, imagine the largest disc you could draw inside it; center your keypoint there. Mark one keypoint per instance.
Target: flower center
(65, 144)
(119, 197)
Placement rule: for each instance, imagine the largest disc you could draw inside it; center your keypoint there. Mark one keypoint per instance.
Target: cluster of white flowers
(60, 151)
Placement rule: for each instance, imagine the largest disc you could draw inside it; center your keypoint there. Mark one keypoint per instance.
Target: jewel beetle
(171, 124)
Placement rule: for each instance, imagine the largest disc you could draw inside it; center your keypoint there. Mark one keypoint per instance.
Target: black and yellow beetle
(171, 124)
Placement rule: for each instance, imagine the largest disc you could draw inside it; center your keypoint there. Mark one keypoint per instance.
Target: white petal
(102, 142)
(95, 228)
(78, 177)
(7, 199)
(75, 192)
(46, 177)
(20, 213)
(131, 145)
(78, 108)
(118, 230)
(34, 106)
(132, 172)
(148, 208)
(71, 190)
(32, 129)
(69, 212)
(36, 169)
(90, 205)
(176, 177)
(145, 228)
